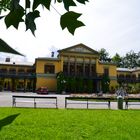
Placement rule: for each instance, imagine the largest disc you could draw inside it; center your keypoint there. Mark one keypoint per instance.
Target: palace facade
(15, 76)
(126, 75)
(77, 61)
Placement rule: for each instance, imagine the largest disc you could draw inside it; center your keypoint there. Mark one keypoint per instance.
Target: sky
(110, 24)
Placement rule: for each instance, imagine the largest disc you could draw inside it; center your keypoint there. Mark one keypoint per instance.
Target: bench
(88, 101)
(131, 101)
(34, 100)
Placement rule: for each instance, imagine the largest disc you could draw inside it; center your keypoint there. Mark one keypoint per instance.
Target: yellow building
(46, 70)
(79, 67)
(17, 76)
(78, 61)
(126, 75)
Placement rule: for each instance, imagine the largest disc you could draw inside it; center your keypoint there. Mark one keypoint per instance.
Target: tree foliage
(61, 82)
(4, 5)
(131, 60)
(103, 55)
(89, 85)
(105, 83)
(28, 12)
(117, 59)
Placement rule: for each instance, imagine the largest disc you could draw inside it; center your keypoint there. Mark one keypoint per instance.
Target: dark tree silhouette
(4, 47)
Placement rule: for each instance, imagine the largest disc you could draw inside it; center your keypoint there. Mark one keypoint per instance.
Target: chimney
(52, 54)
(7, 59)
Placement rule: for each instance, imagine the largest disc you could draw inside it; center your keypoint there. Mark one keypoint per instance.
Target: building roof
(4, 47)
(124, 69)
(48, 58)
(136, 69)
(79, 48)
(128, 69)
(107, 63)
(17, 63)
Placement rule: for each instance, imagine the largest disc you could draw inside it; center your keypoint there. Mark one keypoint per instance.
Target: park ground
(68, 124)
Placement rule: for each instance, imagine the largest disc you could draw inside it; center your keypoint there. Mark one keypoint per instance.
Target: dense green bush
(79, 85)
(105, 83)
(133, 88)
(90, 86)
(61, 82)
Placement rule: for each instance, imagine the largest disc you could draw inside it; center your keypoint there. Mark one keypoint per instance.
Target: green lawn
(61, 124)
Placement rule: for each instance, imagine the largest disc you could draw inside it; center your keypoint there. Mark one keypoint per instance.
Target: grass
(61, 124)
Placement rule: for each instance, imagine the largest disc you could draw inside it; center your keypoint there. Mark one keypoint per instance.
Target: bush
(1, 88)
(105, 83)
(73, 84)
(133, 88)
(79, 85)
(112, 89)
(89, 86)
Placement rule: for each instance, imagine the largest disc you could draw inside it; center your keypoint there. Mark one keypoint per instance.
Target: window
(79, 69)
(106, 71)
(12, 71)
(65, 68)
(3, 70)
(72, 69)
(128, 76)
(133, 76)
(21, 71)
(30, 71)
(121, 76)
(138, 76)
(87, 69)
(93, 70)
(49, 69)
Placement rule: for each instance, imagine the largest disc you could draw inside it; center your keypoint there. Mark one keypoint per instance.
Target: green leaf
(68, 3)
(27, 3)
(14, 4)
(14, 17)
(69, 21)
(30, 23)
(82, 1)
(4, 47)
(58, 1)
(46, 3)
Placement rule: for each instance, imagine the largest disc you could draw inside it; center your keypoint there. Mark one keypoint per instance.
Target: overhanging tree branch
(17, 12)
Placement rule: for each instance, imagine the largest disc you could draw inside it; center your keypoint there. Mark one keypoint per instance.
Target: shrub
(89, 86)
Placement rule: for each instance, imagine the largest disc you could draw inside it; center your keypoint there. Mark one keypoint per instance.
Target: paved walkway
(6, 101)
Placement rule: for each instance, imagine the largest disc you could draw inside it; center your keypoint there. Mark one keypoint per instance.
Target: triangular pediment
(79, 48)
